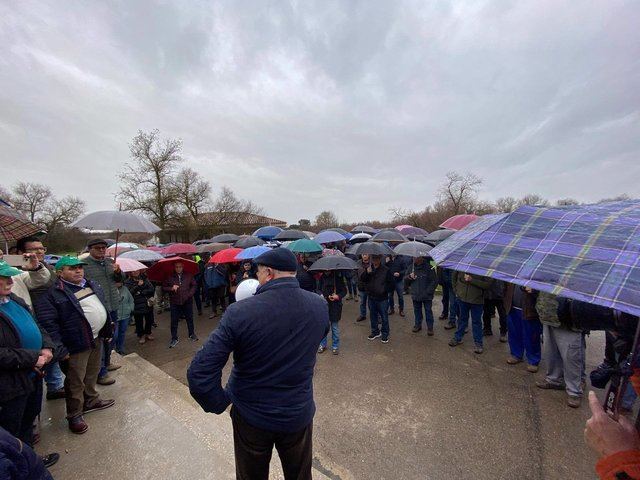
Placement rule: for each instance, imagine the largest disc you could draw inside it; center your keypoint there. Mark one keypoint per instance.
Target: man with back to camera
(274, 336)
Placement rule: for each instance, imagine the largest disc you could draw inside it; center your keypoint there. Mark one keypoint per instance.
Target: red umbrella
(166, 267)
(180, 249)
(458, 222)
(227, 255)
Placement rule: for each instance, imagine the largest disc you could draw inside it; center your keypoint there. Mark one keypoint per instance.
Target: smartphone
(16, 260)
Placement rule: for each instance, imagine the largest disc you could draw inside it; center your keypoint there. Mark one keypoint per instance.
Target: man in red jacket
(181, 287)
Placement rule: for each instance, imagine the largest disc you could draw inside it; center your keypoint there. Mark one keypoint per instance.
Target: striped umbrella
(14, 225)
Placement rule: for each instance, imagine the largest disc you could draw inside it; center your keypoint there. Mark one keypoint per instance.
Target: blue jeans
(428, 312)
(53, 377)
(106, 346)
(476, 321)
(454, 308)
(335, 337)
(363, 304)
(524, 337)
(379, 308)
(399, 290)
(119, 334)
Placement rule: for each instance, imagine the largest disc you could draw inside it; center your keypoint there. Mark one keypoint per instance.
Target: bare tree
(147, 183)
(619, 198)
(533, 199)
(5, 195)
(193, 193)
(459, 191)
(31, 199)
(565, 202)
(231, 210)
(326, 219)
(60, 213)
(506, 204)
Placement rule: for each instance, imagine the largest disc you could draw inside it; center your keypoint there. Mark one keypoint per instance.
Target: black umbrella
(225, 238)
(413, 249)
(333, 262)
(389, 236)
(247, 242)
(372, 248)
(202, 242)
(438, 236)
(290, 235)
(364, 229)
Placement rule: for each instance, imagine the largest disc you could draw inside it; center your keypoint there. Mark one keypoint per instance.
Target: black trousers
(17, 415)
(198, 297)
(217, 298)
(253, 448)
(489, 304)
(148, 318)
(179, 311)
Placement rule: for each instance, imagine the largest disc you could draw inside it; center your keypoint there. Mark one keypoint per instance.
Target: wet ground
(416, 408)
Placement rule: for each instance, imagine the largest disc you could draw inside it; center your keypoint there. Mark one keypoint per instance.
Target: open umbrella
(458, 222)
(342, 232)
(251, 252)
(333, 262)
(179, 249)
(211, 247)
(309, 234)
(389, 236)
(305, 246)
(249, 241)
(436, 237)
(332, 252)
(413, 249)
(14, 225)
(410, 231)
(142, 255)
(360, 237)
(267, 233)
(373, 248)
(121, 248)
(290, 235)
(166, 267)
(130, 265)
(364, 229)
(329, 236)
(226, 256)
(202, 242)
(225, 238)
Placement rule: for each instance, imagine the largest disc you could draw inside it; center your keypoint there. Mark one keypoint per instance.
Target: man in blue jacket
(274, 336)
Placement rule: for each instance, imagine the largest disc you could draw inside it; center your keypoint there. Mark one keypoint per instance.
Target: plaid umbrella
(589, 253)
(14, 225)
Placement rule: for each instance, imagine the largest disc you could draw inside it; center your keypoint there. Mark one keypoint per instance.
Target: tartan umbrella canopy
(589, 252)
(14, 225)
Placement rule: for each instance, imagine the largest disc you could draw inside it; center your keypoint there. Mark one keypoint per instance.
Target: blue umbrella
(342, 232)
(267, 233)
(587, 252)
(329, 236)
(252, 252)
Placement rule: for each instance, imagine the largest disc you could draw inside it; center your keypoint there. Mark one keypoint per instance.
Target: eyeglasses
(36, 249)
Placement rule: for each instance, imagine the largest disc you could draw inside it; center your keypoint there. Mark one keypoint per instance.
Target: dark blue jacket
(18, 461)
(60, 313)
(274, 337)
(215, 276)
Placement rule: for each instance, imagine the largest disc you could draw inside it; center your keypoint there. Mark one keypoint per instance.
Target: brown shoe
(78, 425)
(401, 313)
(150, 337)
(112, 367)
(513, 360)
(99, 405)
(532, 368)
(106, 380)
(573, 401)
(544, 385)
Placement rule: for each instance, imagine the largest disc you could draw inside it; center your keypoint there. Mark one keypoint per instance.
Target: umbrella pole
(115, 252)
(334, 282)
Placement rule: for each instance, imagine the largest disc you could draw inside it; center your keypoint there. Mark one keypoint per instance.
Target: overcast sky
(352, 106)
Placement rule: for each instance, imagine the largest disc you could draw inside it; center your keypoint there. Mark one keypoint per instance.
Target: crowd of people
(59, 325)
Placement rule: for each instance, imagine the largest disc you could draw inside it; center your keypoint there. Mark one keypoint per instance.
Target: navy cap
(279, 258)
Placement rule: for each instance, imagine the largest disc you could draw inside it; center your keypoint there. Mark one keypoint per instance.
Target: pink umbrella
(400, 227)
(332, 252)
(458, 222)
(130, 265)
(179, 249)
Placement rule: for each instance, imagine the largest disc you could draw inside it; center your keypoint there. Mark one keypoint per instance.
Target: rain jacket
(215, 276)
(274, 336)
(328, 285)
(528, 301)
(186, 290)
(379, 283)
(470, 292)
(126, 303)
(140, 293)
(102, 273)
(18, 461)
(424, 286)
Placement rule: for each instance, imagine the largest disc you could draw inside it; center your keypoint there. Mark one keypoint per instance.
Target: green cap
(68, 261)
(7, 270)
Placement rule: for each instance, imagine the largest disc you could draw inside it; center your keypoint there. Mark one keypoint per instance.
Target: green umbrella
(305, 246)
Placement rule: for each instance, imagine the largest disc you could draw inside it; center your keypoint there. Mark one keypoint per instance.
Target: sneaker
(361, 318)
(321, 349)
(487, 333)
(544, 385)
(401, 313)
(454, 343)
(532, 368)
(150, 337)
(443, 317)
(430, 332)
(334, 351)
(416, 329)
(503, 338)
(173, 343)
(56, 394)
(574, 401)
(78, 425)
(112, 367)
(449, 326)
(142, 340)
(99, 405)
(478, 349)
(513, 360)
(385, 340)
(50, 459)
(193, 338)
(373, 336)
(106, 380)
